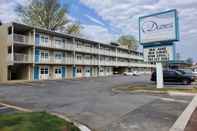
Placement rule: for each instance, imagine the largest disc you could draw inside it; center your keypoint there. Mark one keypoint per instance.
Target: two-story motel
(30, 53)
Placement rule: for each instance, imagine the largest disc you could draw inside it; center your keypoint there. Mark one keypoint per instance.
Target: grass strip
(35, 121)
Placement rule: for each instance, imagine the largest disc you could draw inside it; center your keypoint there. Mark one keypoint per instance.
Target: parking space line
(173, 100)
(183, 119)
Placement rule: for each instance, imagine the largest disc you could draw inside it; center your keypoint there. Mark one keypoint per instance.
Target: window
(58, 55)
(44, 54)
(44, 39)
(88, 57)
(88, 70)
(108, 69)
(78, 70)
(44, 70)
(58, 42)
(58, 71)
(101, 70)
(79, 57)
(171, 73)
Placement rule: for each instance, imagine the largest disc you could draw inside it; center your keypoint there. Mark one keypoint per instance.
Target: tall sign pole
(159, 72)
(157, 34)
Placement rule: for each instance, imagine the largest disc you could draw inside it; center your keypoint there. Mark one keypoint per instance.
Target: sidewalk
(192, 124)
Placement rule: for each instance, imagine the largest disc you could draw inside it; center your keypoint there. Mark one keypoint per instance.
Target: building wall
(3, 53)
(69, 74)
(91, 58)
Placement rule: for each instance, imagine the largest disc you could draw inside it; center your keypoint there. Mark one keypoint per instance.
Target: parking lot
(91, 102)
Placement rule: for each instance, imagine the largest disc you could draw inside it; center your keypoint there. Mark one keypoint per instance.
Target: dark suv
(174, 76)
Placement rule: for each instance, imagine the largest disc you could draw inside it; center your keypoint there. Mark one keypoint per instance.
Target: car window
(171, 73)
(179, 73)
(165, 73)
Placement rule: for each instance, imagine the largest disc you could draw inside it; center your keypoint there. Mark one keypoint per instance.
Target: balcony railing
(86, 62)
(69, 60)
(21, 39)
(22, 58)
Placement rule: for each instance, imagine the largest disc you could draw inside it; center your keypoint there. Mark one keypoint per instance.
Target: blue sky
(87, 15)
(106, 20)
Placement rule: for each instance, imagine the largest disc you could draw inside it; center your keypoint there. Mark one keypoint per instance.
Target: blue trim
(164, 12)
(74, 71)
(139, 30)
(36, 72)
(37, 39)
(176, 26)
(37, 55)
(63, 71)
(174, 52)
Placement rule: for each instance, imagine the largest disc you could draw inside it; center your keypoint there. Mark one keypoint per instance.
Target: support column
(159, 69)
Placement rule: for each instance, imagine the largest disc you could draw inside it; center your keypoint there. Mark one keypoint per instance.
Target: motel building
(29, 53)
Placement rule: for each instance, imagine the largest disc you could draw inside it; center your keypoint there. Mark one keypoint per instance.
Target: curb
(80, 126)
(183, 119)
(156, 92)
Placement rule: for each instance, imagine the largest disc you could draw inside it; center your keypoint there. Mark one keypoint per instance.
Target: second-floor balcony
(86, 62)
(20, 39)
(122, 63)
(19, 58)
(107, 63)
(142, 64)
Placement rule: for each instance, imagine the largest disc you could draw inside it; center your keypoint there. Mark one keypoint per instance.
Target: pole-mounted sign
(159, 27)
(157, 32)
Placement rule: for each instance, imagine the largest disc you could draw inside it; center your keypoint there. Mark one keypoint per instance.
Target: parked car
(129, 73)
(174, 76)
(135, 73)
(195, 73)
(188, 72)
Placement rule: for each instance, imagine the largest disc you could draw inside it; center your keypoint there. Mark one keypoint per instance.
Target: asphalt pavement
(91, 102)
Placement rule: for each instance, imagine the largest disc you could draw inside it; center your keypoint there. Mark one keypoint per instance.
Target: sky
(106, 20)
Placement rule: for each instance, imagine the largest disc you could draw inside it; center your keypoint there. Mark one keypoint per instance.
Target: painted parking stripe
(173, 100)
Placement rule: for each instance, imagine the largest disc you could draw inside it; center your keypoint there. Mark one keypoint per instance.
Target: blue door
(36, 72)
(37, 55)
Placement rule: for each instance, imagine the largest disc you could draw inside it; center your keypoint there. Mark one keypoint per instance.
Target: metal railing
(22, 58)
(20, 39)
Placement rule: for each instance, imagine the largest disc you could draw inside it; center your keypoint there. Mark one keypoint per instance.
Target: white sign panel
(154, 54)
(158, 27)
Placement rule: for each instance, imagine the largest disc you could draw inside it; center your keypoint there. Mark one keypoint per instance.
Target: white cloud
(95, 20)
(124, 14)
(7, 12)
(98, 33)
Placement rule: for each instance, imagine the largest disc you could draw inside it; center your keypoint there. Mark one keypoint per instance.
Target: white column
(159, 72)
(116, 57)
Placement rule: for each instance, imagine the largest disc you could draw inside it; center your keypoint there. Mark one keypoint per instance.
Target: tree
(48, 14)
(189, 60)
(73, 29)
(129, 41)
